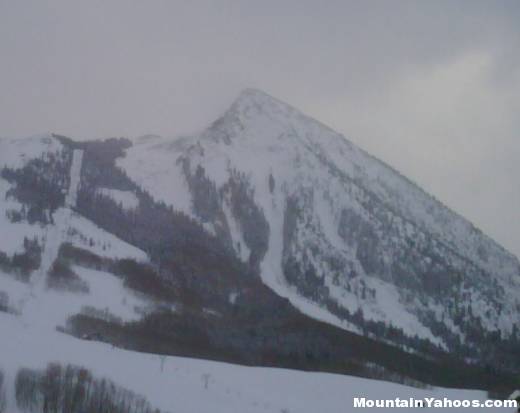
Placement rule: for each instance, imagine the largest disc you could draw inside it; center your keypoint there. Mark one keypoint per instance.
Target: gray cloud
(433, 88)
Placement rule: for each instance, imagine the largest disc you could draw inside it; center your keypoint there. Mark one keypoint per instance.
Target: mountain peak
(254, 95)
(251, 101)
(254, 114)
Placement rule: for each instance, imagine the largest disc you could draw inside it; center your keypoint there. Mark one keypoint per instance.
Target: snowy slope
(15, 153)
(180, 385)
(152, 164)
(87, 235)
(344, 232)
(13, 234)
(126, 199)
(33, 308)
(33, 301)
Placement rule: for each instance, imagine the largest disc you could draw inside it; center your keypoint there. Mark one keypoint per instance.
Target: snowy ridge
(17, 152)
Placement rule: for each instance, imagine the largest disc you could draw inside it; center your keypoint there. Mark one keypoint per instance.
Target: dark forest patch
(73, 389)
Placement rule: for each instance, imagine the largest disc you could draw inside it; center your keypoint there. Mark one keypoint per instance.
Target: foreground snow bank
(183, 385)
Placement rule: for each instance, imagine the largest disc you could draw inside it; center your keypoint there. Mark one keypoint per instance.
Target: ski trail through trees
(56, 233)
(75, 175)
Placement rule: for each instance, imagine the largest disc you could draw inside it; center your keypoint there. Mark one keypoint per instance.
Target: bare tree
(162, 358)
(206, 377)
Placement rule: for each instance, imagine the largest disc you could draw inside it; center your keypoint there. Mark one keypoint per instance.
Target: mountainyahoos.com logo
(431, 402)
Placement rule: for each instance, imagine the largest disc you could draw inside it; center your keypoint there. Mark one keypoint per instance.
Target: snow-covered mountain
(268, 239)
(345, 237)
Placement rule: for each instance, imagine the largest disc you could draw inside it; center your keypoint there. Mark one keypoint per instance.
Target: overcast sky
(430, 87)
